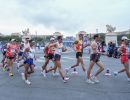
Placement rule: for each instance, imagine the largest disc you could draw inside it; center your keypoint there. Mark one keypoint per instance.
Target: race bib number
(59, 50)
(80, 46)
(12, 50)
(5, 49)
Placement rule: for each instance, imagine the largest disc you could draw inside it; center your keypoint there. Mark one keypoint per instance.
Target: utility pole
(129, 33)
(90, 38)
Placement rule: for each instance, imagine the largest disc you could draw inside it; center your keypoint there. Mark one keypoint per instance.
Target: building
(111, 37)
(1, 35)
(123, 32)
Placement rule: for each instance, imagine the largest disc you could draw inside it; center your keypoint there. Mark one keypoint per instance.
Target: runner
(49, 55)
(94, 59)
(28, 65)
(124, 57)
(20, 54)
(4, 49)
(29, 57)
(32, 57)
(57, 56)
(11, 53)
(20, 60)
(78, 47)
(25, 45)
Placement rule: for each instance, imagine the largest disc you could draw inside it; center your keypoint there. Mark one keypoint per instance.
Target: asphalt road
(53, 88)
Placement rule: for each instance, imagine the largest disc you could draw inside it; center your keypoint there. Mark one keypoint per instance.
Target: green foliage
(102, 36)
(40, 40)
(8, 38)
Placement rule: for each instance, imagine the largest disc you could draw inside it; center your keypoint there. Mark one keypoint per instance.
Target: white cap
(124, 38)
(52, 38)
(12, 40)
(33, 41)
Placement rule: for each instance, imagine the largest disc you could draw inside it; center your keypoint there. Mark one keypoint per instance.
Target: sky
(65, 16)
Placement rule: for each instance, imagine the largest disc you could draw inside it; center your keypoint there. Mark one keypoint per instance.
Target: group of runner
(24, 55)
(53, 53)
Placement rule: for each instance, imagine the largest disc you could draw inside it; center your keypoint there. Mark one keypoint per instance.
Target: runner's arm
(94, 46)
(64, 49)
(74, 47)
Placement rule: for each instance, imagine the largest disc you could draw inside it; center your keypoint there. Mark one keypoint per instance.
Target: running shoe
(28, 82)
(4, 69)
(23, 76)
(43, 73)
(89, 81)
(65, 79)
(55, 74)
(11, 74)
(96, 80)
(116, 73)
(67, 70)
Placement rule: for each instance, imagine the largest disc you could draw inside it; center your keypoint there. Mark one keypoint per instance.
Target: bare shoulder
(93, 43)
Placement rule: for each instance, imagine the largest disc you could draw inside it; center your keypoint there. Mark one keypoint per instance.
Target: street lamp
(96, 30)
(36, 36)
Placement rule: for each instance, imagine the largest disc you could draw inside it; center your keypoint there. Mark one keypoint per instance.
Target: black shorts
(50, 56)
(95, 57)
(57, 57)
(20, 53)
(78, 54)
(10, 58)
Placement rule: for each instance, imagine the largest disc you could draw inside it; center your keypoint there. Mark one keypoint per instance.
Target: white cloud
(68, 16)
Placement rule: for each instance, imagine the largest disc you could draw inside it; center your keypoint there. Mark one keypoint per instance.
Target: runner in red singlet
(12, 50)
(124, 57)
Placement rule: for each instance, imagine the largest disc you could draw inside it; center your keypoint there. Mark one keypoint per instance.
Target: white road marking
(68, 58)
(39, 60)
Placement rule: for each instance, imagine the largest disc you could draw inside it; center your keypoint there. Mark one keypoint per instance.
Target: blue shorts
(20, 53)
(57, 57)
(29, 61)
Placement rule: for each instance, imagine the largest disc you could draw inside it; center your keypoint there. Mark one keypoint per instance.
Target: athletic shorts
(29, 61)
(124, 59)
(57, 57)
(20, 53)
(11, 58)
(95, 57)
(50, 56)
(78, 54)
